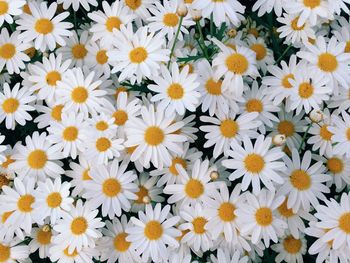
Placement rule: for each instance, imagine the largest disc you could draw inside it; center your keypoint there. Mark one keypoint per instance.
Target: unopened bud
(146, 199)
(214, 175)
(46, 228)
(182, 10)
(196, 15)
(279, 139)
(232, 32)
(316, 116)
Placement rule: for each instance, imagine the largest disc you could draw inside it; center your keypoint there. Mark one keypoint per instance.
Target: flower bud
(214, 175)
(232, 32)
(46, 228)
(279, 139)
(316, 116)
(196, 15)
(182, 10)
(146, 199)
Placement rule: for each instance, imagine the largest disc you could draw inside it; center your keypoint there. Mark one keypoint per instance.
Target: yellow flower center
(101, 126)
(8, 161)
(213, 87)
(54, 200)
(254, 163)
(229, 128)
(113, 22)
(254, 105)
(226, 212)
(286, 128)
(141, 194)
(120, 243)
(101, 57)
(111, 187)
(306, 90)
(25, 202)
(325, 134)
(27, 10)
(175, 91)
(79, 95)
(30, 52)
(237, 63)
(86, 176)
(285, 81)
(260, 51)
(292, 245)
(194, 188)
(52, 77)
(3, 180)
(133, 4)
(347, 47)
(170, 19)
(188, 1)
(348, 134)
(175, 161)
(284, 210)
(70, 133)
(72, 255)
(154, 136)
(327, 62)
(4, 7)
(138, 55)
(335, 165)
(7, 51)
(120, 117)
(300, 179)
(5, 253)
(103, 144)
(153, 230)
(44, 237)
(44, 26)
(79, 51)
(10, 105)
(79, 225)
(5, 216)
(130, 150)
(199, 224)
(344, 222)
(56, 112)
(263, 216)
(253, 31)
(295, 26)
(312, 3)
(37, 159)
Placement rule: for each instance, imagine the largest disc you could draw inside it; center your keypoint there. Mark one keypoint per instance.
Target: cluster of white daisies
(174, 131)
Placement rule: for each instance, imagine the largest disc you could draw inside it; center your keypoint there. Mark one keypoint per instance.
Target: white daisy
(263, 55)
(9, 8)
(76, 4)
(266, 6)
(102, 123)
(140, 8)
(339, 168)
(61, 254)
(41, 240)
(341, 101)
(341, 134)
(51, 114)
(97, 58)
(13, 251)
(290, 249)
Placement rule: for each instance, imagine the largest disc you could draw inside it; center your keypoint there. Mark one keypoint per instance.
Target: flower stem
(304, 137)
(283, 54)
(202, 39)
(176, 37)
(211, 25)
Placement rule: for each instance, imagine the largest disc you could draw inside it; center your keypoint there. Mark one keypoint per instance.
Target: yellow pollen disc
(194, 188)
(79, 95)
(312, 3)
(101, 126)
(254, 105)
(226, 212)
(286, 128)
(141, 193)
(175, 91)
(198, 225)
(138, 55)
(52, 77)
(253, 31)
(154, 136)
(348, 134)
(344, 222)
(188, 1)
(292, 245)
(237, 63)
(284, 210)
(263, 216)
(183, 233)
(73, 254)
(130, 150)
(79, 51)
(3, 180)
(5, 253)
(327, 62)
(54, 200)
(254, 163)
(79, 225)
(306, 90)
(56, 112)
(113, 22)
(285, 81)
(25, 202)
(70, 133)
(37, 159)
(30, 52)
(120, 243)
(347, 47)
(229, 128)
(260, 51)
(325, 134)
(7, 162)
(153, 230)
(101, 57)
(86, 176)
(7, 51)
(4, 7)
(295, 26)
(10, 105)
(213, 87)
(5, 216)
(120, 117)
(170, 19)
(44, 237)
(44, 26)
(133, 4)
(103, 144)
(300, 179)
(335, 165)
(175, 161)
(27, 10)
(111, 187)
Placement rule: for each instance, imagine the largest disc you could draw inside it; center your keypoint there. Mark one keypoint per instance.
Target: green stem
(176, 37)
(202, 39)
(283, 54)
(211, 25)
(304, 137)
(75, 21)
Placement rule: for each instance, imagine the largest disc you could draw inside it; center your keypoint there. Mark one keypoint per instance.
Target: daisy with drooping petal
(9, 8)
(43, 27)
(290, 249)
(76, 4)
(177, 90)
(111, 187)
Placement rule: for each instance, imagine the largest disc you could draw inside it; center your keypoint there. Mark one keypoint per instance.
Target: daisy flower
(12, 55)
(154, 136)
(102, 123)
(257, 217)
(224, 256)
(152, 232)
(256, 163)
(189, 129)
(140, 8)
(339, 168)
(341, 134)
(41, 240)
(114, 246)
(79, 228)
(61, 254)
(176, 90)
(303, 183)
(76, 4)
(329, 59)
(223, 11)
(266, 6)
(69, 135)
(97, 58)
(13, 252)
(263, 54)
(43, 27)
(108, 20)
(51, 114)
(234, 65)
(226, 128)
(112, 188)
(51, 198)
(290, 249)
(38, 158)
(9, 8)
